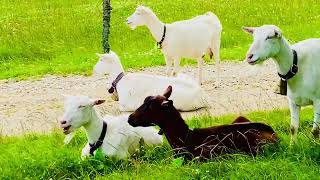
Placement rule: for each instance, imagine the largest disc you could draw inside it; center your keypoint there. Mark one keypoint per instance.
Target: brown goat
(240, 136)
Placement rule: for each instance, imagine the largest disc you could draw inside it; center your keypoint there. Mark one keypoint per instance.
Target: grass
(41, 37)
(45, 156)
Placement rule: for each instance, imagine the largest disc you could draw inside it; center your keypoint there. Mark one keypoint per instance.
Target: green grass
(45, 156)
(39, 37)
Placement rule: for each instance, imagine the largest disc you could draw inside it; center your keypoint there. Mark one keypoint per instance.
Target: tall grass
(40, 37)
(45, 156)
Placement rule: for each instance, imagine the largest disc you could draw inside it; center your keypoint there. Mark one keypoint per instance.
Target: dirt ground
(36, 105)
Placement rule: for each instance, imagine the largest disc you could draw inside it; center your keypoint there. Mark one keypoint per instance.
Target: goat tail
(149, 135)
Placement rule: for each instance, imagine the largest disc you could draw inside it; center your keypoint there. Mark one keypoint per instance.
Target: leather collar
(96, 145)
(159, 44)
(113, 87)
(293, 70)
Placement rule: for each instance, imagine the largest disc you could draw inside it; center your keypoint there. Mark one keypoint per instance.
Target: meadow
(45, 156)
(41, 37)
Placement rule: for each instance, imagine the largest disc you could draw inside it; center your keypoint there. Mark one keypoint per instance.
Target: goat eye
(146, 108)
(79, 107)
(147, 99)
(269, 37)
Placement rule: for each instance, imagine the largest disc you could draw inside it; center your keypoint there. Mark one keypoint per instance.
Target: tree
(106, 25)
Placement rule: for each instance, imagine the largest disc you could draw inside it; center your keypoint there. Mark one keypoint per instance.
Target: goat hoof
(293, 142)
(315, 133)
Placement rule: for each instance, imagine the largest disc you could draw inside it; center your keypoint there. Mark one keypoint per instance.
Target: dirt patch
(36, 105)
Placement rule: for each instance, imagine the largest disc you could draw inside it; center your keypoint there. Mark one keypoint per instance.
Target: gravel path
(36, 105)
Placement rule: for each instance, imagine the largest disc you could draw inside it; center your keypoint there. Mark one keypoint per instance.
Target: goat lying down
(130, 89)
(112, 133)
(298, 64)
(241, 136)
(192, 38)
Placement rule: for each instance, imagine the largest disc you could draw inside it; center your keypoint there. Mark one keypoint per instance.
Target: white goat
(120, 139)
(298, 64)
(133, 88)
(191, 38)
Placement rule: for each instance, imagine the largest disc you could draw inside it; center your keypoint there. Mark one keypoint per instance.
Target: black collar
(115, 82)
(96, 145)
(293, 70)
(159, 44)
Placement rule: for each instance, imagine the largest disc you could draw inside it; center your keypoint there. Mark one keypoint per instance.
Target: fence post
(106, 25)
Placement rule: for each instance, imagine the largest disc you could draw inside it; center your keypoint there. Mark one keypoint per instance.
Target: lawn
(45, 156)
(39, 37)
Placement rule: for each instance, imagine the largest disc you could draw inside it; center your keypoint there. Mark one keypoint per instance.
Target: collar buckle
(99, 141)
(113, 87)
(294, 69)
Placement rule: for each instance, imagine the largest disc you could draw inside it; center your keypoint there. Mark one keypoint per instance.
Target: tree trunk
(106, 25)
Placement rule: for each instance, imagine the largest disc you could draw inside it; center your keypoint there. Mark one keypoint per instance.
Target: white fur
(191, 38)
(303, 88)
(135, 87)
(121, 139)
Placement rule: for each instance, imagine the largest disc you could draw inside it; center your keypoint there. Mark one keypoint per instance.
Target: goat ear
(167, 92)
(167, 103)
(142, 9)
(98, 102)
(249, 30)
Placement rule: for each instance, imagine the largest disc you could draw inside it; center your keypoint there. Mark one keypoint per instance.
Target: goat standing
(298, 64)
(191, 38)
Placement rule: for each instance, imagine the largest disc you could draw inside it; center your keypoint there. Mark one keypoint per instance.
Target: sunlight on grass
(41, 37)
(45, 156)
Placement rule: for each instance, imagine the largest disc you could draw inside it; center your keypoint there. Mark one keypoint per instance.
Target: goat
(113, 134)
(191, 38)
(298, 64)
(130, 89)
(202, 143)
